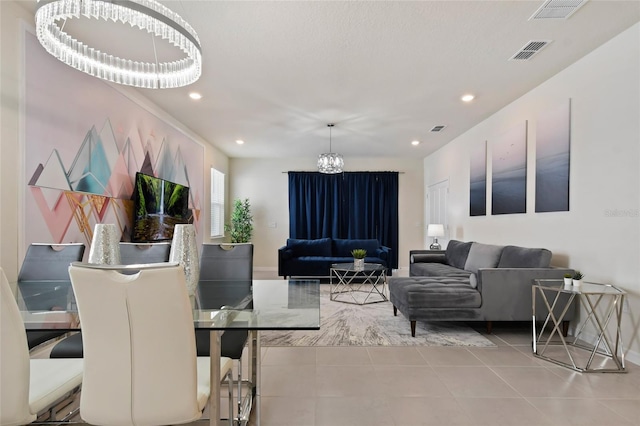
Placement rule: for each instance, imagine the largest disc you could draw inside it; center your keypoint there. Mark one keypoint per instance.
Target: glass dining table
(219, 305)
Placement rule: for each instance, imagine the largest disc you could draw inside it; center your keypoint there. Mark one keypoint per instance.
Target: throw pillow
(483, 256)
(318, 247)
(342, 247)
(522, 257)
(456, 253)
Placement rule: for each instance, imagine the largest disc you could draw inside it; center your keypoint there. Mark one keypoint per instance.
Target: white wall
(265, 183)
(10, 150)
(604, 88)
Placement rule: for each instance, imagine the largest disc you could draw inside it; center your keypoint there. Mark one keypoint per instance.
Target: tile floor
(440, 386)
(406, 386)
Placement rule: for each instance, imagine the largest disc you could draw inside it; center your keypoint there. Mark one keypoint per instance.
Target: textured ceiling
(385, 72)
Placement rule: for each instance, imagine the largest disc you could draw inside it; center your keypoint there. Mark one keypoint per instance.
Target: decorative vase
(568, 282)
(105, 245)
(184, 250)
(358, 264)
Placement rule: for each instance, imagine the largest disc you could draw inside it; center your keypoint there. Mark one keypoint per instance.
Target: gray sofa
(471, 281)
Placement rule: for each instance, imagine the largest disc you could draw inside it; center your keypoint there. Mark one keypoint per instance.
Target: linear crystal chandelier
(330, 162)
(148, 15)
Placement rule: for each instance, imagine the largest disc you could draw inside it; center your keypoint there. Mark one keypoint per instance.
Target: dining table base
(251, 399)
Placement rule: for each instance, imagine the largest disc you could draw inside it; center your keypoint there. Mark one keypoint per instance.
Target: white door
(436, 208)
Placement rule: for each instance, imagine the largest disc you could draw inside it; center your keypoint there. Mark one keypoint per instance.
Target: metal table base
(347, 282)
(602, 303)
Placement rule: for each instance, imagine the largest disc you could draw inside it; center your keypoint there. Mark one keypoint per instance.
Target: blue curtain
(314, 201)
(347, 205)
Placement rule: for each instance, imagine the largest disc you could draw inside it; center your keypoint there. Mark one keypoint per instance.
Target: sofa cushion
(456, 253)
(343, 247)
(318, 247)
(436, 270)
(522, 257)
(483, 256)
(434, 292)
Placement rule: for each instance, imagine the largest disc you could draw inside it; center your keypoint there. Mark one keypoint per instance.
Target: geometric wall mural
(509, 171)
(553, 140)
(84, 143)
(478, 180)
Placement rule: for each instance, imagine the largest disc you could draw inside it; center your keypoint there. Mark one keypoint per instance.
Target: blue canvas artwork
(478, 180)
(509, 172)
(553, 159)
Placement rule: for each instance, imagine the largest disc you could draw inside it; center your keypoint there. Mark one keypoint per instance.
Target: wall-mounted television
(158, 206)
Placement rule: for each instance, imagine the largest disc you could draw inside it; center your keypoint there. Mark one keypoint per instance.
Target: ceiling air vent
(437, 129)
(557, 9)
(529, 49)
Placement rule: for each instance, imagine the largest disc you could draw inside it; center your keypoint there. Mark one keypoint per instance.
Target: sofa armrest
(506, 292)
(427, 256)
(384, 253)
(284, 254)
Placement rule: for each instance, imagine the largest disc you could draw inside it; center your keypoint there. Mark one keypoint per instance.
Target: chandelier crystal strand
(330, 162)
(147, 15)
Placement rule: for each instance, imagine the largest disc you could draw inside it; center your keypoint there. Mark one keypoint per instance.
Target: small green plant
(241, 226)
(568, 276)
(577, 275)
(359, 253)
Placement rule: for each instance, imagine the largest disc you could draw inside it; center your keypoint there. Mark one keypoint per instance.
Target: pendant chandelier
(330, 162)
(147, 15)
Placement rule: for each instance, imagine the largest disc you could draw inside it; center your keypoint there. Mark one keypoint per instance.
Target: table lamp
(435, 230)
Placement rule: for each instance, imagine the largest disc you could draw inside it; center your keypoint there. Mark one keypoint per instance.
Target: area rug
(343, 324)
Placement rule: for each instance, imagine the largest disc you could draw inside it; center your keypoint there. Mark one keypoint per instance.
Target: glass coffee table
(359, 286)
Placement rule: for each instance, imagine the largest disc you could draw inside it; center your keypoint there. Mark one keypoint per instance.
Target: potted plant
(358, 258)
(241, 225)
(577, 278)
(568, 280)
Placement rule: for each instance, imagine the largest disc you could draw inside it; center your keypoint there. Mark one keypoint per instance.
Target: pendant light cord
(330, 125)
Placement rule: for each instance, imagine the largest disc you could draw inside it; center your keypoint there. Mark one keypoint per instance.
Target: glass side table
(358, 286)
(602, 303)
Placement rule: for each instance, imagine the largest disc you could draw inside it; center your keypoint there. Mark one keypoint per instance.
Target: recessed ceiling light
(415, 143)
(240, 142)
(467, 98)
(195, 96)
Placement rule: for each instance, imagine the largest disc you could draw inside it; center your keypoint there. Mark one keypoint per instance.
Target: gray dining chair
(232, 263)
(29, 388)
(140, 362)
(130, 254)
(44, 264)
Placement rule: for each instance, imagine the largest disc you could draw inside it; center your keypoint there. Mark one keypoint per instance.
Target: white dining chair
(29, 387)
(130, 254)
(140, 357)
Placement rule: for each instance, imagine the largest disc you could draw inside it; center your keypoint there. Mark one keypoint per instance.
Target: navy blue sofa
(313, 258)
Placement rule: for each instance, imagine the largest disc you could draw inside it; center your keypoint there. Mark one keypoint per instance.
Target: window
(217, 203)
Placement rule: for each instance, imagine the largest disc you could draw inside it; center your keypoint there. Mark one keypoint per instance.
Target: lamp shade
(105, 245)
(435, 230)
(184, 250)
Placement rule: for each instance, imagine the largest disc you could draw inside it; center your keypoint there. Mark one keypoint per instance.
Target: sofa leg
(413, 329)
(565, 328)
(489, 327)
(395, 311)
